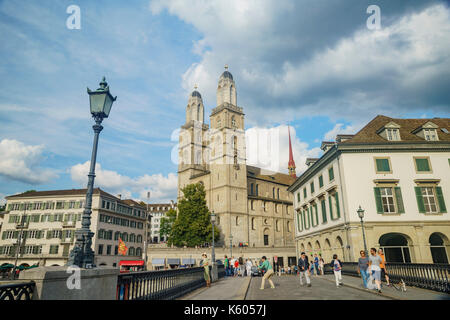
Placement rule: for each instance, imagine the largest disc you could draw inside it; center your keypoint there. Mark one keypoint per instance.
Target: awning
(158, 261)
(173, 261)
(131, 263)
(188, 261)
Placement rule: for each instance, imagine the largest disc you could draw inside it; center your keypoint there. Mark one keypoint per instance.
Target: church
(253, 207)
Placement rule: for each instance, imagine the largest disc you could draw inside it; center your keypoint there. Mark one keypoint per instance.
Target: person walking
(265, 265)
(383, 267)
(336, 264)
(232, 266)
(374, 263)
(205, 265)
(321, 264)
(248, 265)
(241, 266)
(226, 264)
(316, 264)
(363, 265)
(236, 267)
(303, 268)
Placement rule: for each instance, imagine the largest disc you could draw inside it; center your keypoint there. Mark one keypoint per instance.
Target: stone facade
(251, 205)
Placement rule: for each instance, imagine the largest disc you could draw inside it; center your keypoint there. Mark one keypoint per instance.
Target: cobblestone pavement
(229, 288)
(288, 288)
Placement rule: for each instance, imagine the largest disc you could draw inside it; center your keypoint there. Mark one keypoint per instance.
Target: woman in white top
(248, 265)
(374, 264)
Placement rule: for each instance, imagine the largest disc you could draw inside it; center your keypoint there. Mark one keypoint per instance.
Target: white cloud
(163, 189)
(340, 128)
(2, 199)
(20, 162)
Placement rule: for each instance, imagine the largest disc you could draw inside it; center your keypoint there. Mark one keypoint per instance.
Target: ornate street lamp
(213, 254)
(361, 216)
(231, 245)
(82, 255)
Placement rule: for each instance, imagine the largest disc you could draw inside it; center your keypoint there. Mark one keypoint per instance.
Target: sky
(313, 65)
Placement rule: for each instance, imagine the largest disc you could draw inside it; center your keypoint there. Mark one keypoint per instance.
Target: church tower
(192, 151)
(291, 163)
(228, 163)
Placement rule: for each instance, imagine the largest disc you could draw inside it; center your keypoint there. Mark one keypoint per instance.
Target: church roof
(274, 177)
(195, 93)
(227, 74)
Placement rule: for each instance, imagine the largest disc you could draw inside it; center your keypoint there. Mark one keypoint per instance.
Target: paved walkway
(224, 289)
(412, 293)
(288, 288)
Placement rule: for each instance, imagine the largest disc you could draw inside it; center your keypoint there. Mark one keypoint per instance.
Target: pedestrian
(241, 266)
(336, 264)
(295, 270)
(321, 264)
(265, 265)
(303, 268)
(316, 264)
(363, 264)
(374, 263)
(236, 267)
(205, 265)
(248, 265)
(232, 266)
(226, 264)
(383, 267)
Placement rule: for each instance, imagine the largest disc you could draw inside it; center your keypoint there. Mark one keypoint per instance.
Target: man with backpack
(303, 268)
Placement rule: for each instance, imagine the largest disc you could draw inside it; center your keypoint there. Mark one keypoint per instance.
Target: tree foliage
(192, 226)
(166, 223)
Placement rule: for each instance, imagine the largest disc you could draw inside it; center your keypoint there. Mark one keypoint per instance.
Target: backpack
(241, 261)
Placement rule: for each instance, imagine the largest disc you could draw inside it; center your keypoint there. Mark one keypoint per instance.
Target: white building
(47, 220)
(158, 211)
(398, 171)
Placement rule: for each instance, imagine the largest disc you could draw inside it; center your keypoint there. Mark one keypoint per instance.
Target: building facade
(253, 206)
(46, 222)
(398, 171)
(158, 211)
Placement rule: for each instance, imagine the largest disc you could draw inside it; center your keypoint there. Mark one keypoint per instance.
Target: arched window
(273, 193)
(277, 227)
(256, 189)
(266, 236)
(138, 252)
(253, 223)
(438, 244)
(125, 236)
(198, 112)
(116, 235)
(237, 221)
(233, 122)
(132, 237)
(288, 226)
(139, 239)
(278, 193)
(251, 188)
(131, 251)
(252, 203)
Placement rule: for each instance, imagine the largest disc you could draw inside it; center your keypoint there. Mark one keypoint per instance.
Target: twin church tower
(253, 207)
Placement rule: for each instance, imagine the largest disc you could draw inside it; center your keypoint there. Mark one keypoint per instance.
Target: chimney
(311, 161)
(119, 196)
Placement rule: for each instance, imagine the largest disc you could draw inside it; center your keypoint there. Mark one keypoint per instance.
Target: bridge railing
(161, 285)
(17, 291)
(422, 275)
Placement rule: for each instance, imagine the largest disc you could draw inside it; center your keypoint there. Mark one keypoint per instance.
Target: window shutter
(419, 198)
(378, 200)
(440, 198)
(324, 211)
(4, 235)
(399, 199)
(49, 234)
(316, 212)
(66, 205)
(330, 202)
(338, 211)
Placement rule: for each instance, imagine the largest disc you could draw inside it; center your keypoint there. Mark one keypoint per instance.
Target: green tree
(192, 226)
(166, 223)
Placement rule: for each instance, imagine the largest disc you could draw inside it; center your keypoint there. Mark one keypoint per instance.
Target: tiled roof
(67, 192)
(275, 177)
(369, 134)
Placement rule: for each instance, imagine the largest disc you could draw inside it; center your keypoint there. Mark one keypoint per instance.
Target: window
(54, 249)
(430, 199)
(266, 239)
(312, 187)
(253, 223)
(298, 196)
(233, 122)
(252, 205)
(299, 221)
(430, 134)
(108, 250)
(324, 210)
(273, 193)
(278, 193)
(59, 205)
(304, 193)
(331, 174)
(382, 165)
(100, 249)
(320, 181)
(422, 164)
(392, 134)
(257, 189)
(389, 200)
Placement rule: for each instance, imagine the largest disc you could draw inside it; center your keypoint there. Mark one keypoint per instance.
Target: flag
(122, 247)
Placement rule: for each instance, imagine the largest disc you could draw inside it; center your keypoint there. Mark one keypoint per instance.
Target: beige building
(251, 205)
(158, 211)
(47, 220)
(398, 171)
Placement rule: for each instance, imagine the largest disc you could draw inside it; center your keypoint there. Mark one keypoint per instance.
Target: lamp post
(213, 254)
(148, 220)
(361, 216)
(231, 245)
(82, 254)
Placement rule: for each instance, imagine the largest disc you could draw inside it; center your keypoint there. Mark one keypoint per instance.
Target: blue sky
(313, 65)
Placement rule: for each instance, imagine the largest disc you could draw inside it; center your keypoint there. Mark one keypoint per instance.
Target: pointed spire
(291, 163)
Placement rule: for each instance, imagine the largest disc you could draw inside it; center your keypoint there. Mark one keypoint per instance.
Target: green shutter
(399, 199)
(49, 234)
(378, 200)
(422, 165)
(303, 220)
(298, 222)
(298, 196)
(317, 214)
(338, 211)
(419, 198)
(321, 181)
(330, 202)
(4, 235)
(331, 173)
(324, 211)
(66, 205)
(383, 165)
(440, 198)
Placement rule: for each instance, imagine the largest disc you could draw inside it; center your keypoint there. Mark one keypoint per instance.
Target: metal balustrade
(422, 275)
(161, 285)
(17, 291)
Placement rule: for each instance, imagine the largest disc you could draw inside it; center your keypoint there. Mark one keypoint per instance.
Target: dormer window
(427, 131)
(393, 134)
(430, 134)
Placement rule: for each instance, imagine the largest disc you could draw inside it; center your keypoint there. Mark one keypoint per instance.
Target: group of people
(373, 268)
(237, 267)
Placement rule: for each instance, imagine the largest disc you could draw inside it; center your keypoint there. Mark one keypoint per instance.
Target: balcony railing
(17, 291)
(161, 285)
(430, 276)
(69, 224)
